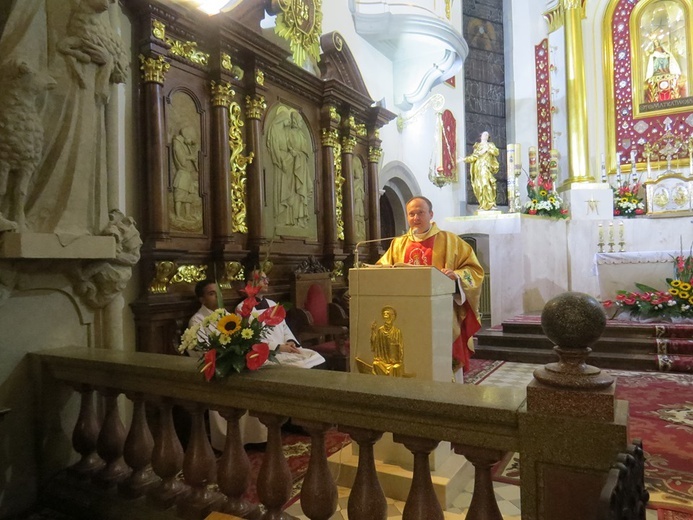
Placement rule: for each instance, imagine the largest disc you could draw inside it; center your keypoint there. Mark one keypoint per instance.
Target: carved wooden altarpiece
(245, 157)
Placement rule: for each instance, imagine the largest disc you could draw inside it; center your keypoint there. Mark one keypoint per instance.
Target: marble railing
(481, 422)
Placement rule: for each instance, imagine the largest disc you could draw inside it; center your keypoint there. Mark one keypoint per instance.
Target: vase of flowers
(627, 201)
(543, 200)
(232, 341)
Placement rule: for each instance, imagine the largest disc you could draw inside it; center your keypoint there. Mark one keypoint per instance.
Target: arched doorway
(398, 185)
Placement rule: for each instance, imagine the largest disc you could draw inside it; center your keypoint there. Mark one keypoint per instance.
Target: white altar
(621, 271)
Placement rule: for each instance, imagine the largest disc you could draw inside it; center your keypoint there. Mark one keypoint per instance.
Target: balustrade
(482, 423)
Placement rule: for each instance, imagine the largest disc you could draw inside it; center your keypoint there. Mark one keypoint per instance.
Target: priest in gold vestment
(425, 244)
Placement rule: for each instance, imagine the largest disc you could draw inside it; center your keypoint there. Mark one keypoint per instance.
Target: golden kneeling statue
(387, 347)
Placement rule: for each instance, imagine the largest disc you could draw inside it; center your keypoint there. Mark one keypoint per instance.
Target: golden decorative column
(374, 155)
(578, 148)
(153, 72)
(255, 111)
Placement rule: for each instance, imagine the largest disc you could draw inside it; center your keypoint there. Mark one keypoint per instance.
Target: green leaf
(646, 288)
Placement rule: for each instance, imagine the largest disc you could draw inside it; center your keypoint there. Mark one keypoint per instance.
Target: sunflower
(675, 283)
(690, 300)
(552, 200)
(624, 199)
(674, 292)
(543, 193)
(685, 286)
(229, 324)
(684, 294)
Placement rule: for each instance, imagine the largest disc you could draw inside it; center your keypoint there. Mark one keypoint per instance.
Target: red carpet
(297, 453)
(661, 414)
(480, 369)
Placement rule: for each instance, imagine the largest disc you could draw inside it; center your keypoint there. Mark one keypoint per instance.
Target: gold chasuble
(445, 250)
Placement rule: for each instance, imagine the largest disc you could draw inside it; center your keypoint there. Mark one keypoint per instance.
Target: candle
(621, 232)
(611, 233)
(601, 234)
(618, 169)
(633, 166)
(518, 159)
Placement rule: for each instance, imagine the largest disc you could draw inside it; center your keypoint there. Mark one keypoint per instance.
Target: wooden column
(255, 110)
(220, 189)
(348, 144)
(155, 164)
(374, 155)
(330, 139)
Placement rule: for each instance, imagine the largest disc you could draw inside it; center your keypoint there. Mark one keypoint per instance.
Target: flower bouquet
(232, 341)
(675, 302)
(543, 200)
(627, 202)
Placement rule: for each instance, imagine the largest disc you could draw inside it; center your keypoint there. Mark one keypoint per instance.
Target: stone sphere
(573, 320)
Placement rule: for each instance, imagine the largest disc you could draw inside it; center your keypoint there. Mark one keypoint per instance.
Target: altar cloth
(620, 271)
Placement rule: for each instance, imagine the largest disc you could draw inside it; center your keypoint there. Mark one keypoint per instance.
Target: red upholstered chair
(317, 322)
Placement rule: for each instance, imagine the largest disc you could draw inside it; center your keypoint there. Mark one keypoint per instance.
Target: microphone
(358, 244)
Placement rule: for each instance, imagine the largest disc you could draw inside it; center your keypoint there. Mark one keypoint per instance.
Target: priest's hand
(449, 273)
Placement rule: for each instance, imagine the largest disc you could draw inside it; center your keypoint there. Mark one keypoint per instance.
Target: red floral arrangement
(232, 341)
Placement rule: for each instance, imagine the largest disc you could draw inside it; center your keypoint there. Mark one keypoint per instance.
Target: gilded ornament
(189, 274)
(226, 63)
(259, 77)
(661, 197)
(361, 130)
(164, 270)
(374, 154)
(338, 271)
(158, 30)
(188, 50)
(231, 272)
(387, 347)
(238, 164)
(348, 144)
(680, 196)
(330, 137)
(255, 107)
(334, 115)
(352, 123)
(337, 41)
(222, 94)
(300, 23)
(153, 69)
(338, 182)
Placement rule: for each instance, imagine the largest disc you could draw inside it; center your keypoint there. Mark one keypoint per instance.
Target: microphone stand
(362, 242)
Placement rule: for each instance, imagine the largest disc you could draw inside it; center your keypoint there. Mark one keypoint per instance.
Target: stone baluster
(319, 490)
(422, 503)
(85, 434)
(137, 453)
(484, 505)
(234, 468)
(167, 461)
(367, 500)
(199, 470)
(274, 477)
(110, 443)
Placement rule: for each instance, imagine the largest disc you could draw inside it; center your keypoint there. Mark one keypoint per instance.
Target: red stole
(420, 253)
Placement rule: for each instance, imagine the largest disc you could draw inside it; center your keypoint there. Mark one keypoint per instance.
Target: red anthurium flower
(621, 297)
(247, 306)
(210, 365)
(639, 211)
(257, 356)
(629, 301)
(532, 212)
(272, 316)
(607, 304)
(251, 290)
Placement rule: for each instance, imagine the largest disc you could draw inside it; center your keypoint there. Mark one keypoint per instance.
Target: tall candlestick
(603, 168)
(633, 166)
(618, 169)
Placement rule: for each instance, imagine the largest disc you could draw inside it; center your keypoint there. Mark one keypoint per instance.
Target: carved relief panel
(359, 198)
(184, 138)
(290, 174)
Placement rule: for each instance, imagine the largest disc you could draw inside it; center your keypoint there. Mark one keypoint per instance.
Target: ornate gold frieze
(164, 270)
(300, 23)
(352, 123)
(226, 62)
(259, 77)
(239, 162)
(338, 182)
(153, 69)
(232, 272)
(158, 30)
(348, 144)
(374, 154)
(361, 130)
(330, 137)
(189, 274)
(255, 107)
(222, 94)
(334, 115)
(188, 50)
(555, 15)
(337, 271)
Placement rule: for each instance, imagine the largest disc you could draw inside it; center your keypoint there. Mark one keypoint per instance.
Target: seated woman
(288, 353)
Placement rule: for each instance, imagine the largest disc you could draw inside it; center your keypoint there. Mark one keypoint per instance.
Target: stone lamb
(21, 137)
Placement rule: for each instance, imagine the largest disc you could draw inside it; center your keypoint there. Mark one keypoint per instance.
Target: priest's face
(419, 215)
